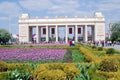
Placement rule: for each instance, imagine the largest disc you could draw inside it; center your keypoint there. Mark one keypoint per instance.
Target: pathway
(117, 47)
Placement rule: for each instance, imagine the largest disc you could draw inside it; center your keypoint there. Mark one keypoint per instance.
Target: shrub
(31, 46)
(3, 66)
(0, 46)
(19, 66)
(100, 48)
(89, 55)
(71, 71)
(55, 71)
(110, 51)
(52, 75)
(94, 47)
(109, 75)
(108, 65)
(3, 75)
(93, 74)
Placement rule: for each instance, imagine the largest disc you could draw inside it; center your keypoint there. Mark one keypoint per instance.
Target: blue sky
(10, 10)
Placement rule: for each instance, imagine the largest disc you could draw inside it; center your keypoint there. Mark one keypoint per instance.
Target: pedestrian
(110, 42)
(73, 43)
(70, 43)
(114, 42)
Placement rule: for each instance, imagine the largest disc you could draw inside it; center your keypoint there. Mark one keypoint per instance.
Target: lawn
(77, 56)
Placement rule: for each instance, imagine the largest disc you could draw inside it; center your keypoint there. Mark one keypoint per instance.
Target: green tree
(115, 29)
(4, 36)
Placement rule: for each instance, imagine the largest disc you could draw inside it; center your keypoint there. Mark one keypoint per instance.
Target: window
(44, 30)
(53, 30)
(70, 30)
(79, 30)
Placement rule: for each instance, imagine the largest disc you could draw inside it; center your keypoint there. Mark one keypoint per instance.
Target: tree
(115, 30)
(4, 36)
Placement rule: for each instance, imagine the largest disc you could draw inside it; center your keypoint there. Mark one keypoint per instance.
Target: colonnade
(76, 34)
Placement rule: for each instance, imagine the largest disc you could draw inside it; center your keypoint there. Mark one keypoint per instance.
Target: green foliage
(84, 73)
(109, 65)
(33, 66)
(118, 39)
(88, 72)
(77, 56)
(115, 29)
(19, 75)
(100, 48)
(115, 36)
(94, 47)
(93, 74)
(4, 36)
(110, 51)
(3, 66)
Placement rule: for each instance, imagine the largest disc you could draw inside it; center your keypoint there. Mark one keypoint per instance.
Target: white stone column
(37, 34)
(76, 33)
(95, 33)
(66, 37)
(56, 33)
(47, 37)
(85, 33)
(30, 34)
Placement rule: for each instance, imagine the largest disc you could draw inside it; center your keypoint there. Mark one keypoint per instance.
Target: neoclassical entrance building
(71, 28)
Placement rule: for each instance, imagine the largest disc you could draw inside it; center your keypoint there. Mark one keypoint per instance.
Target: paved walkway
(117, 47)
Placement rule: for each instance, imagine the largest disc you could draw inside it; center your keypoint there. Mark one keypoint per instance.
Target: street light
(9, 19)
(109, 31)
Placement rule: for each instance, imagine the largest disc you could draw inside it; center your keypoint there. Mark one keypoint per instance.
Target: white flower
(13, 73)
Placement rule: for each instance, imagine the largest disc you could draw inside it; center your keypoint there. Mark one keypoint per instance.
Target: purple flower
(24, 54)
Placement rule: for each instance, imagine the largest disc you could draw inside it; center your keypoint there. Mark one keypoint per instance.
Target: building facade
(49, 27)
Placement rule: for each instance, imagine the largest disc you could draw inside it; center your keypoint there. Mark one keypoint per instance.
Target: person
(110, 42)
(114, 42)
(73, 43)
(102, 42)
(70, 43)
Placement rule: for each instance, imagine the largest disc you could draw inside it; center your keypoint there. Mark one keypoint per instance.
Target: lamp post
(9, 19)
(110, 26)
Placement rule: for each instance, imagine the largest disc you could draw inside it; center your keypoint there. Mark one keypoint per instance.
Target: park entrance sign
(45, 28)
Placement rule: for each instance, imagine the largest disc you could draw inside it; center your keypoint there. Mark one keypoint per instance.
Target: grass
(77, 56)
(68, 57)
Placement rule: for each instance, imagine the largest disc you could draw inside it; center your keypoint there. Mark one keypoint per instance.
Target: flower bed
(34, 54)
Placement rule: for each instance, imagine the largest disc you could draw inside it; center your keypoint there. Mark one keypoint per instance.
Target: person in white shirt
(73, 43)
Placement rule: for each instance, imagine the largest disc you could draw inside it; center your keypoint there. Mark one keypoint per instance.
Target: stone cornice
(61, 20)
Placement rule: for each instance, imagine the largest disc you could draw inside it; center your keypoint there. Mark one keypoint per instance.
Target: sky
(11, 10)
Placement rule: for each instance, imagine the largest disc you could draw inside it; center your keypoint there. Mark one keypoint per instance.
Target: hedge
(89, 55)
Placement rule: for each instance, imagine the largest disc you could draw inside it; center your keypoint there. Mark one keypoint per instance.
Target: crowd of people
(102, 43)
